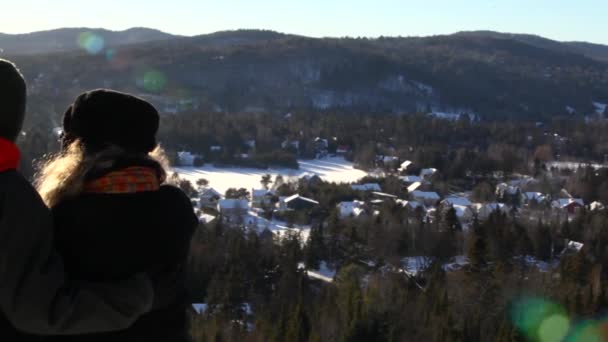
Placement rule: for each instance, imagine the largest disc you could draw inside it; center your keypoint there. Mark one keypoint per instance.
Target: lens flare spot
(554, 328)
(91, 42)
(588, 331)
(153, 81)
(530, 314)
(110, 54)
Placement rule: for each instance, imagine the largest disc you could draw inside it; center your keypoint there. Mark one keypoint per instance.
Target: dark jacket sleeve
(35, 295)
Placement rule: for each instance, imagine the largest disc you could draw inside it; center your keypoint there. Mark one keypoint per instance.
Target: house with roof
(185, 158)
(261, 198)
(369, 187)
(209, 198)
(409, 179)
(464, 213)
(508, 193)
(405, 166)
(411, 205)
(296, 202)
(568, 205)
(426, 174)
(534, 198)
(455, 200)
(387, 161)
(352, 209)
(321, 146)
(233, 210)
(484, 210)
(425, 197)
(414, 186)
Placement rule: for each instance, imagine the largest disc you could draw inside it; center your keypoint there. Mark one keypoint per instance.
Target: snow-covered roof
(427, 172)
(596, 206)
(348, 209)
(564, 202)
(427, 195)
(295, 197)
(367, 187)
(205, 218)
(411, 179)
(233, 204)
(537, 196)
(410, 204)
(573, 245)
(505, 188)
(414, 186)
(210, 192)
(405, 165)
(382, 194)
(388, 159)
(462, 210)
(462, 201)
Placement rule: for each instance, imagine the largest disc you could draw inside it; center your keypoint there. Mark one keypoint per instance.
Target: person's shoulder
(18, 191)
(14, 184)
(173, 191)
(179, 201)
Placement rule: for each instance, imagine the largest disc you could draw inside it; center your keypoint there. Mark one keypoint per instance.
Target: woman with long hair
(114, 216)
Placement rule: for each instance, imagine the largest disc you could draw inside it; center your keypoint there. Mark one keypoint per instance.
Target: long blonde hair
(64, 174)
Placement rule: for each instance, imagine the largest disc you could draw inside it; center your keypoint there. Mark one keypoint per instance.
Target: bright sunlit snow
(335, 170)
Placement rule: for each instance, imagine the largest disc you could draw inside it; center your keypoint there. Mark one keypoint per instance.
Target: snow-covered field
(335, 170)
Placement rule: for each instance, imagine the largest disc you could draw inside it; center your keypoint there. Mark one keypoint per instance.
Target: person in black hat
(37, 296)
(113, 215)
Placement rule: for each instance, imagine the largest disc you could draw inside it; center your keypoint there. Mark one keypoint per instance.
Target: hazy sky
(557, 19)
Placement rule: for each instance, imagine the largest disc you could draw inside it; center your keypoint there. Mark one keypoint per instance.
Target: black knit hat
(102, 118)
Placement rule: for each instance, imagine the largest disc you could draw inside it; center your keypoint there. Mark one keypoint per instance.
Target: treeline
(256, 287)
(458, 148)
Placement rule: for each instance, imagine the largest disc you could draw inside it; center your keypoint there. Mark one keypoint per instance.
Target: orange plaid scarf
(126, 181)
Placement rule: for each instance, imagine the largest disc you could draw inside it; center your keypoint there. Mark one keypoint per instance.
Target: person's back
(111, 236)
(113, 217)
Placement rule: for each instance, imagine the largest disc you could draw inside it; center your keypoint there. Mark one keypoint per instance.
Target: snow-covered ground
(323, 273)
(573, 165)
(335, 170)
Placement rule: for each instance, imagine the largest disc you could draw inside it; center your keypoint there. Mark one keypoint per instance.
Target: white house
(209, 198)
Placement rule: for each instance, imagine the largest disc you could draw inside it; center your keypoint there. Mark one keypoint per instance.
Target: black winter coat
(104, 237)
(36, 295)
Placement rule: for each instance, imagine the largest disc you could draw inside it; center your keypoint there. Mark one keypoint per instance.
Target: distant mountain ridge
(67, 39)
(484, 74)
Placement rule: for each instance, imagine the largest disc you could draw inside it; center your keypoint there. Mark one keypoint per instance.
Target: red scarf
(9, 155)
(127, 181)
